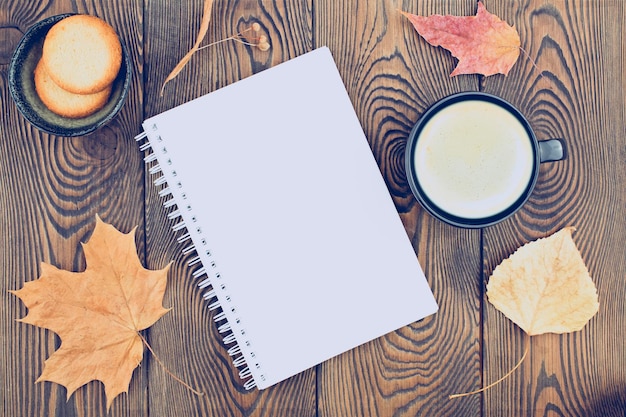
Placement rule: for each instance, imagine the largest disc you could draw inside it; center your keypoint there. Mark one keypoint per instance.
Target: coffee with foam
(474, 159)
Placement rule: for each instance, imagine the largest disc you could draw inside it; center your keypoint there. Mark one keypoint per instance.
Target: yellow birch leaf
(544, 287)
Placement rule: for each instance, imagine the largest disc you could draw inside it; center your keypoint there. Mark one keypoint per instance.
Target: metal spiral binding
(224, 327)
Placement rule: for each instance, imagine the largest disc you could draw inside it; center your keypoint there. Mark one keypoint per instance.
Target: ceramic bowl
(22, 87)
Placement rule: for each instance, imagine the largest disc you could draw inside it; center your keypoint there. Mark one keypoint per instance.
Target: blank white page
(292, 219)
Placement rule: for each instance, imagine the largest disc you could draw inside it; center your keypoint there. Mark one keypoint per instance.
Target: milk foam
(474, 159)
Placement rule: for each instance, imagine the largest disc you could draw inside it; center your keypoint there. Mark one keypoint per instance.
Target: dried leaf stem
(532, 61)
(493, 384)
(177, 379)
(204, 27)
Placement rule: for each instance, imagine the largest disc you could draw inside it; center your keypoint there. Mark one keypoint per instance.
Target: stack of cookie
(81, 58)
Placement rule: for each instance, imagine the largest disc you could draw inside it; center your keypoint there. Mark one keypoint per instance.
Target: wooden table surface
(52, 187)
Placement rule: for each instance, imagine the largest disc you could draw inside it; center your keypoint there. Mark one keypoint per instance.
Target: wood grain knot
(393, 166)
(101, 144)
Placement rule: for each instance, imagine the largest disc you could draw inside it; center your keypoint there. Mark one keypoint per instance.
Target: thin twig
(235, 38)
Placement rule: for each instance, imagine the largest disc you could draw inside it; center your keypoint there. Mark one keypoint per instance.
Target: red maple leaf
(484, 44)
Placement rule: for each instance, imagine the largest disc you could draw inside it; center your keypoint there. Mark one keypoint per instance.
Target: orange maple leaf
(97, 313)
(484, 44)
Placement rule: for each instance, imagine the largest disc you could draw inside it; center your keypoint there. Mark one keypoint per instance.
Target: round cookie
(82, 54)
(63, 102)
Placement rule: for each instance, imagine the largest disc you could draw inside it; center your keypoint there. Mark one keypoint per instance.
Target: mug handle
(551, 150)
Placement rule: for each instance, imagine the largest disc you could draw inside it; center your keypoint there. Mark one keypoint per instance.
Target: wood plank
(51, 189)
(576, 92)
(392, 76)
(187, 338)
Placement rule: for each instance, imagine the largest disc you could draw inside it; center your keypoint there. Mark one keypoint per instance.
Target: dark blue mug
(472, 159)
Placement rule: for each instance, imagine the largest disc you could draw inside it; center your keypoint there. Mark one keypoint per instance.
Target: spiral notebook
(271, 184)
